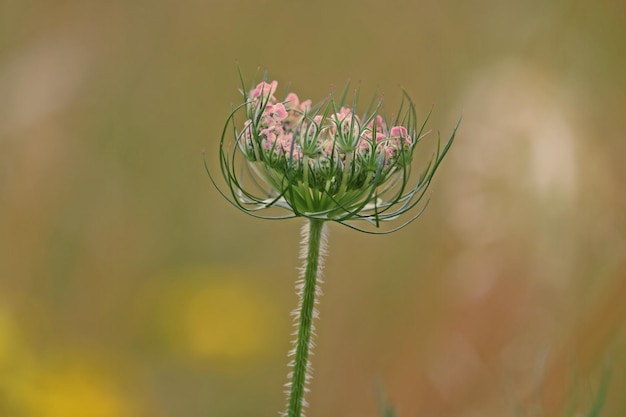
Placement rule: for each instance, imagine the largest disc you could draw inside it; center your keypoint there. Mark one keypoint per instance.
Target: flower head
(325, 161)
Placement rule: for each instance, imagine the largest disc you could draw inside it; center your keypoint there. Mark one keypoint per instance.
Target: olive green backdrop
(130, 288)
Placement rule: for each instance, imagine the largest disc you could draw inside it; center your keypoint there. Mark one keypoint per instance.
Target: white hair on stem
(296, 314)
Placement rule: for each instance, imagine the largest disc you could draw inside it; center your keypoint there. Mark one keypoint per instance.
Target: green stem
(313, 246)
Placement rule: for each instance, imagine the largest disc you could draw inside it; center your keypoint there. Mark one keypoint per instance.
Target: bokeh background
(130, 288)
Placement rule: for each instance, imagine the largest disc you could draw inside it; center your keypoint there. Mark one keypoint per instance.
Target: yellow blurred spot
(214, 314)
(224, 319)
(65, 391)
(69, 387)
(74, 393)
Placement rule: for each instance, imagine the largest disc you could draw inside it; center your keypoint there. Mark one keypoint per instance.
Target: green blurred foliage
(128, 287)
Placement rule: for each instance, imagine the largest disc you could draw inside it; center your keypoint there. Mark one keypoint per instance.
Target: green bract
(324, 162)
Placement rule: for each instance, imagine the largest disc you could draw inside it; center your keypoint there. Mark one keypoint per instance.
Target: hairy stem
(313, 249)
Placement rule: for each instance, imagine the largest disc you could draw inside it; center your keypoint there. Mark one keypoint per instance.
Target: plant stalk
(313, 249)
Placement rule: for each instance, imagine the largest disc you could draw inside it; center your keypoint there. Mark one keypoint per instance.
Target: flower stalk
(313, 251)
(323, 162)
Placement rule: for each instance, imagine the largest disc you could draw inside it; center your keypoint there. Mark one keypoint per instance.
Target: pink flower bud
(380, 124)
(264, 90)
(398, 132)
(276, 111)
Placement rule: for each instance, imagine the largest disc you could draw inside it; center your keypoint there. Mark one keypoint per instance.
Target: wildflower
(323, 163)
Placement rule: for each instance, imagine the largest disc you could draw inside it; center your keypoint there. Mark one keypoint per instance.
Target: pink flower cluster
(277, 131)
(273, 123)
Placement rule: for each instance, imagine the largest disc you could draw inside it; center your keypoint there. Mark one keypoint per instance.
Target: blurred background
(130, 288)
